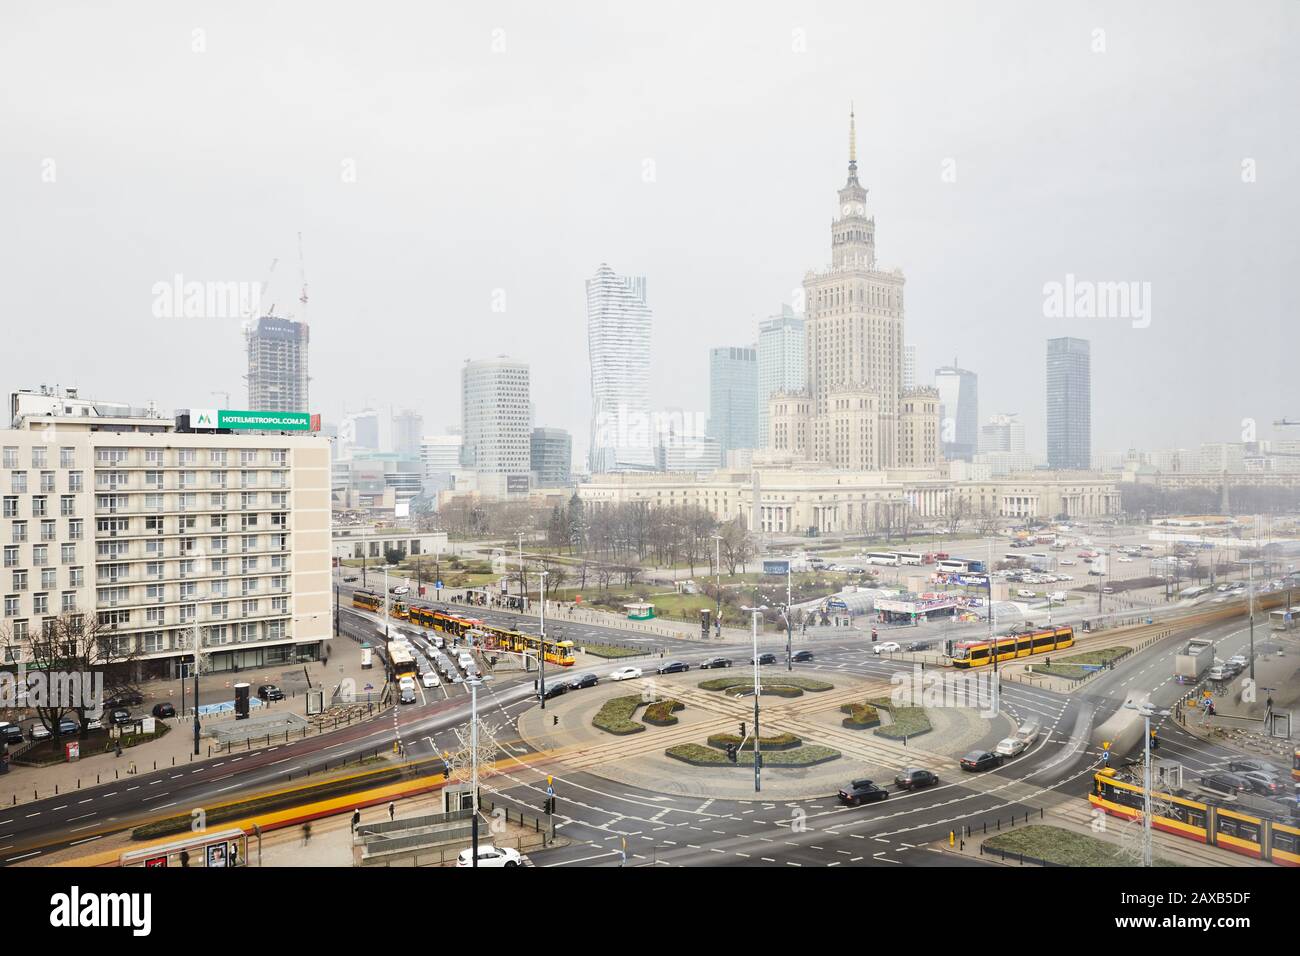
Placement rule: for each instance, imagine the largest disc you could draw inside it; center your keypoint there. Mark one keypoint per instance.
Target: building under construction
(277, 365)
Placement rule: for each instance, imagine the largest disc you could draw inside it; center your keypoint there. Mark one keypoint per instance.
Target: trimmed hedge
(906, 721)
(767, 690)
(615, 716)
(612, 650)
(660, 713)
(777, 742)
(861, 716)
(808, 755)
(802, 683)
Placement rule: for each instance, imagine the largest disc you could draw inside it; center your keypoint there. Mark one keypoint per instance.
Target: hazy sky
(433, 153)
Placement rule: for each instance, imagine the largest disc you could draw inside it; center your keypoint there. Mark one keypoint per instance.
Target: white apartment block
(162, 535)
(496, 417)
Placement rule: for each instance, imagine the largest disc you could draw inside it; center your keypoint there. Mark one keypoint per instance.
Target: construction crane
(1284, 422)
(302, 276)
(261, 295)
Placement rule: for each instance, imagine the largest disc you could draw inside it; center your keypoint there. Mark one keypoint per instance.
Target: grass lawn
(612, 650)
(1071, 667)
(615, 716)
(747, 683)
(907, 721)
(804, 756)
(1066, 847)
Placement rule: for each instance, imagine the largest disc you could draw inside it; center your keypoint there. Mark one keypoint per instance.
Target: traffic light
(742, 729)
(731, 752)
(555, 720)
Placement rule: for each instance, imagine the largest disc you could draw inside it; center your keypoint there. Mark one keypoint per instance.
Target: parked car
(625, 673)
(914, 778)
(118, 715)
(673, 667)
(162, 711)
(554, 688)
(349, 578)
(763, 659)
(862, 791)
(978, 760)
(802, 657)
(270, 692)
(38, 731)
(489, 855)
(1011, 746)
(886, 647)
(11, 733)
(715, 662)
(1229, 783)
(583, 680)
(124, 698)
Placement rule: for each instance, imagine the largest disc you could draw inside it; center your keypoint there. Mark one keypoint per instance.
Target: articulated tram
(1010, 647)
(370, 601)
(1201, 820)
(493, 636)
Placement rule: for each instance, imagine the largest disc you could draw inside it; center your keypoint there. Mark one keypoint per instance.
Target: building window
(67, 458)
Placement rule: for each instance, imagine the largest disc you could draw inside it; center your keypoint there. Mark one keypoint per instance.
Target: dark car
(914, 778)
(554, 689)
(978, 760)
(1259, 782)
(348, 579)
(801, 657)
(764, 659)
(270, 692)
(124, 698)
(920, 645)
(11, 733)
(118, 715)
(583, 680)
(68, 727)
(1228, 783)
(673, 667)
(163, 710)
(862, 791)
(407, 696)
(715, 662)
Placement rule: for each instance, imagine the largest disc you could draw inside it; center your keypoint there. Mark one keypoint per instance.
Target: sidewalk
(23, 784)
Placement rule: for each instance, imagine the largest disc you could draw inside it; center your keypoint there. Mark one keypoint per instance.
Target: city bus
(888, 558)
(1284, 618)
(401, 659)
(910, 557)
(960, 566)
(1009, 647)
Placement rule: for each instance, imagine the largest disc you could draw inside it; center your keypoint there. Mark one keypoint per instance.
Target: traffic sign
(438, 585)
(550, 791)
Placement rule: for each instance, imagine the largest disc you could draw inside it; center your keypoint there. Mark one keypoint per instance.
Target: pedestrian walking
(356, 820)
(306, 833)
(392, 812)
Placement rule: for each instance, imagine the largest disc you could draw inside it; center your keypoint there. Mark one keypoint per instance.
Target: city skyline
(1013, 188)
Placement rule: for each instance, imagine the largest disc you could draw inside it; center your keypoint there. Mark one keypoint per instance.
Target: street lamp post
(717, 581)
(758, 753)
(789, 651)
(541, 648)
(1147, 711)
(523, 586)
(196, 690)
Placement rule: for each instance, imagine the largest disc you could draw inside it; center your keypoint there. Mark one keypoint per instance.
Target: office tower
(780, 363)
(277, 365)
(909, 366)
(552, 457)
(1002, 433)
(115, 516)
(733, 397)
(408, 431)
(440, 454)
(618, 346)
(495, 417)
(958, 411)
(1069, 404)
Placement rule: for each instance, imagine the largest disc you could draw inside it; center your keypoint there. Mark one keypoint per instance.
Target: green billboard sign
(262, 421)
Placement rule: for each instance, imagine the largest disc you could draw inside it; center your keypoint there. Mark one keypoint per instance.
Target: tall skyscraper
(618, 344)
(733, 397)
(277, 365)
(780, 363)
(959, 416)
(848, 414)
(1069, 403)
(1002, 433)
(552, 457)
(495, 417)
(408, 431)
(909, 366)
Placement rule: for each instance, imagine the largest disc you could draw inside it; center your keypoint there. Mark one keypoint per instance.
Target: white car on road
(888, 647)
(490, 855)
(1011, 746)
(625, 673)
(1025, 593)
(430, 679)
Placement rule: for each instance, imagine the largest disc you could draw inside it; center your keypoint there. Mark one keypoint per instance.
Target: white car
(1124, 560)
(625, 673)
(1057, 596)
(1067, 561)
(1025, 593)
(430, 679)
(888, 647)
(489, 855)
(399, 589)
(38, 731)
(1011, 746)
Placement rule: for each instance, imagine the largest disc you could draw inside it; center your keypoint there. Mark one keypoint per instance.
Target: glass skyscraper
(781, 363)
(959, 415)
(1069, 403)
(733, 397)
(618, 344)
